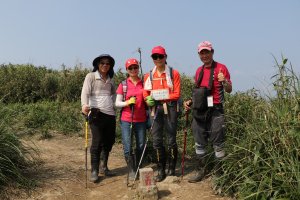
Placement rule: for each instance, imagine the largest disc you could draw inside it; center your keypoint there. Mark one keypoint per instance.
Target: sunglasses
(104, 63)
(156, 56)
(132, 68)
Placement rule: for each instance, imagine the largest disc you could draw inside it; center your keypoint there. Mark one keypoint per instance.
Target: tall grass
(16, 158)
(43, 118)
(264, 141)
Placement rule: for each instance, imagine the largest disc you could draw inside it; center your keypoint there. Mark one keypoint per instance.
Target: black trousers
(167, 122)
(103, 128)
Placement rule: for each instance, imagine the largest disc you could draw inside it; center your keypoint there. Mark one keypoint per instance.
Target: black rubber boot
(161, 165)
(131, 167)
(172, 160)
(200, 171)
(94, 167)
(103, 164)
(137, 158)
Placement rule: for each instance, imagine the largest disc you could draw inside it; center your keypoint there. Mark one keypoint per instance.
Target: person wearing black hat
(97, 101)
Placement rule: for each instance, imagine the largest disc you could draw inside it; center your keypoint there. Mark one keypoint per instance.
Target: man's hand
(150, 101)
(85, 109)
(221, 77)
(131, 101)
(187, 105)
(224, 81)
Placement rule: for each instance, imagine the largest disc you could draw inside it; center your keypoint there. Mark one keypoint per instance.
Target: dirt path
(63, 176)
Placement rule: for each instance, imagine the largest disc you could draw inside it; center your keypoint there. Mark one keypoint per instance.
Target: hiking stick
(142, 156)
(130, 145)
(86, 145)
(184, 143)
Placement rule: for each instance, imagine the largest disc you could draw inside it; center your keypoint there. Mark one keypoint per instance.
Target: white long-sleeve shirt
(97, 93)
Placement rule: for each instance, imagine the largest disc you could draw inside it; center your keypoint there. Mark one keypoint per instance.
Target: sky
(245, 34)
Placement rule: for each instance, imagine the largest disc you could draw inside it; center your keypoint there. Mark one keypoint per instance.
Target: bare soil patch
(62, 176)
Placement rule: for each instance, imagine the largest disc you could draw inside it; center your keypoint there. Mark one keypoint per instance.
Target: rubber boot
(137, 158)
(172, 159)
(200, 170)
(130, 161)
(94, 167)
(161, 165)
(103, 164)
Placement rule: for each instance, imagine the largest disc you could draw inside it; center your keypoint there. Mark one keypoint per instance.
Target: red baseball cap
(159, 50)
(131, 61)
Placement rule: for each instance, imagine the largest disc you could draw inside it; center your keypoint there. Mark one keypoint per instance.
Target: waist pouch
(199, 98)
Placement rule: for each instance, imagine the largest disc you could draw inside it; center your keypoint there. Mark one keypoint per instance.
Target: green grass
(263, 142)
(263, 132)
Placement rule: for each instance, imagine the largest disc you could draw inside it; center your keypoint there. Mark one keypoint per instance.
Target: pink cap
(159, 50)
(205, 45)
(131, 61)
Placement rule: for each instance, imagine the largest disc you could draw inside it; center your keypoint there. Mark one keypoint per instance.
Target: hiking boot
(200, 170)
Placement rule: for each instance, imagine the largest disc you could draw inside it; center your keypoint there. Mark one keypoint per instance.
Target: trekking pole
(130, 145)
(142, 156)
(86, 144)
(184, 143)
(140, 52)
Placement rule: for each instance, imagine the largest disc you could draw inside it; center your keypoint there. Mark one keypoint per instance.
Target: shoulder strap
(211, 78)
(124, 88)
(171, 73)
(200, 77)
(151, 77)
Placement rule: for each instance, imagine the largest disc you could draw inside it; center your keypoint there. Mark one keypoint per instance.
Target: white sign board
(160, 94)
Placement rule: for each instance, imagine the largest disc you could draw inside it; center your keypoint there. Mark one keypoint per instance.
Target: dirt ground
(62, 176)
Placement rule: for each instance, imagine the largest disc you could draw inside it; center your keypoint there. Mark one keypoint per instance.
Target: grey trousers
(212, 130)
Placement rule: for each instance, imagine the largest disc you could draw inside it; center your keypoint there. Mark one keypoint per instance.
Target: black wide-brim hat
(111, 60)
(97, 60)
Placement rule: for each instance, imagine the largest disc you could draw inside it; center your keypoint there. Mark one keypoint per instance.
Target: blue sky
(245, 34)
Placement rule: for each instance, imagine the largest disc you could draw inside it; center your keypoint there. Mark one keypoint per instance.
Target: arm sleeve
(146, 92)
(174, 96)
(227, 74)
(119, 101)
(86, 90)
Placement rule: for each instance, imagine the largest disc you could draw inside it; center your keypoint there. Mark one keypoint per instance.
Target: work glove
(150, 101)
(131, 101)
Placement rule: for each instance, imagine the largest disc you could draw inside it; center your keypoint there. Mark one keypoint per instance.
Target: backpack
(179, 102)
